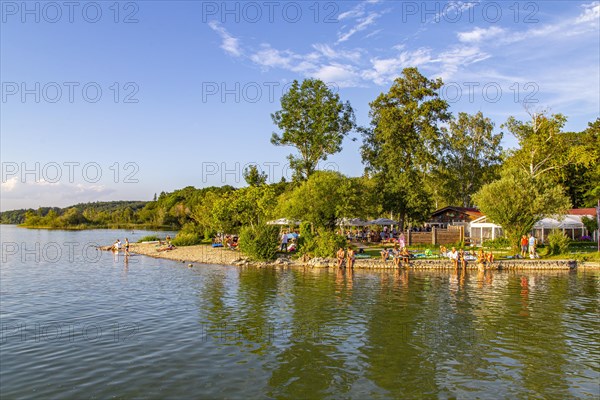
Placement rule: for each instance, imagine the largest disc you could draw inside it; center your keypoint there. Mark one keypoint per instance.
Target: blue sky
(118, 101)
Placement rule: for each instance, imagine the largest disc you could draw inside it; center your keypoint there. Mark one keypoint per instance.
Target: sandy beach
(193, 254)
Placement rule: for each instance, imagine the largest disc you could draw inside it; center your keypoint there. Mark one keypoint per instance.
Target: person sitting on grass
(443, 251)
(489, 257)
(384, 255)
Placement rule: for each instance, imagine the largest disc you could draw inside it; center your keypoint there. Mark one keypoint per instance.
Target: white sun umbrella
(283, 221)
(383, 221)
(351, 222)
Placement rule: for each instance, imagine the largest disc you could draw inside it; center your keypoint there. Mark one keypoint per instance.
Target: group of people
(227, 241)
(528, 245)
(459, 257)
(368, 235)
(288, 241)
(398, 254)
(349, 256)
(117, 246)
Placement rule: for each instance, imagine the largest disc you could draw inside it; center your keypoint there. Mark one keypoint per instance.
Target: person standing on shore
(340, 257)
(351, 257)
(532, 242)
(284, 241)
(462, 259)
(524, 243)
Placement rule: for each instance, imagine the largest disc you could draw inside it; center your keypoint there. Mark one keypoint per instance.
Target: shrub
(558, 243)
(324, 244)
(260, 242)
(149, 238)
(498, 243)
(186, 239)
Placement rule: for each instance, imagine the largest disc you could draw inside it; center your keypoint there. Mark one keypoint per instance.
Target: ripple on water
(157, 329)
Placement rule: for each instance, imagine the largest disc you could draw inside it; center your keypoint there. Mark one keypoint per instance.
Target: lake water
(77, 323)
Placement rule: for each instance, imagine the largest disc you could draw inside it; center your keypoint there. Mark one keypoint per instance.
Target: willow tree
(314, 120)
(400, 146)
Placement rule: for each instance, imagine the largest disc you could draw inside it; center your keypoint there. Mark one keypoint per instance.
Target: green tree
(254, 177)
(470, 155)
(401, 145)
(544, 150)
(582, 179)
(315, 121)
(323, 198)
(517, 202)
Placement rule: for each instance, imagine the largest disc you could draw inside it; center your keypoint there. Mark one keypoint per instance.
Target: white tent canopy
(568, 222)
(482, 229)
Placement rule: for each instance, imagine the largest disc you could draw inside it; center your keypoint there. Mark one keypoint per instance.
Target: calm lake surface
(77, 323)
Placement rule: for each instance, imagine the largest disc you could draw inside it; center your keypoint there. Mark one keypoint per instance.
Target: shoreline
(206, 254)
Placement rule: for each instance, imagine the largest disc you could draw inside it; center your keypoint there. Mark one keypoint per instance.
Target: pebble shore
(204, 254)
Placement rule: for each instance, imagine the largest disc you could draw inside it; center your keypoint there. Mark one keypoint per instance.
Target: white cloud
(9, 185)
(480, 34)
(269, 57)
(341, 75)
(591, 13)
(452, 59)
(334, 54)
(229, 43)
(384, 70)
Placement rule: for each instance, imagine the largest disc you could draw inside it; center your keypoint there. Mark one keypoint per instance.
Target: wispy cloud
(230, 44)
(480, 34)
(336, 54)
(362, 23)
(384, 70)
(359, 20)
(268, 57)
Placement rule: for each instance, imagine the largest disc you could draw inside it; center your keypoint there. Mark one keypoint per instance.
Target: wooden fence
(453, 234)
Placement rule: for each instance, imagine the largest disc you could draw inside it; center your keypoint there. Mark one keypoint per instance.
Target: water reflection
(226, 332)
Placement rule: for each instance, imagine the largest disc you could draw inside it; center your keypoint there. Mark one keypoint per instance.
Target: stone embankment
(204, 254)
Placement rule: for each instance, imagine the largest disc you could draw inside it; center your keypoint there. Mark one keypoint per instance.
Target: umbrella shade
(283, 221)
(351, 222)
(382, 221)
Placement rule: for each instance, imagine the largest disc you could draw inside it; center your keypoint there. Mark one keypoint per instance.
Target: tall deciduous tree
(470, 156)
(582, 179)
(517, 202)
(315, 121)
(544, 150)
(400, 146)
